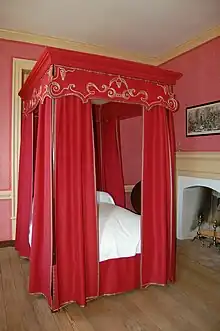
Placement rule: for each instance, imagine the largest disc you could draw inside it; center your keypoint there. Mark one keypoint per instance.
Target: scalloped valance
(60, 73)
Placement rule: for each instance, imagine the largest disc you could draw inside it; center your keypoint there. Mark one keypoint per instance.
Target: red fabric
(108, 155)
(97, 128)
(35, 128)
(73, 231)
(112, 162)
(41, 249)
(94, 65)
(172, 216)
(158, 218)
(24, 187)
(109, 170)
(119, 275)
(75, 201)
(89, 85)
(113, 110)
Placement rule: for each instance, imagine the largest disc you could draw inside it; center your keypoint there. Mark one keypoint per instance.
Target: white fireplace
(188, 203)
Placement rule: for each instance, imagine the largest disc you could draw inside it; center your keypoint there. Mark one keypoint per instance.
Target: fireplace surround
(194, 170)
(187, 206)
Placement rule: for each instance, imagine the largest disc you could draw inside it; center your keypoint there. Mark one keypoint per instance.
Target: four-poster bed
(61, 184)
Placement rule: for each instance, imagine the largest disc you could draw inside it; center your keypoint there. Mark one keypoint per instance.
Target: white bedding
(119, 232)
(104, 197)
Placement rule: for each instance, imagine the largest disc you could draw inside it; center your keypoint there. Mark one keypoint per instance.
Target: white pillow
(104, 197)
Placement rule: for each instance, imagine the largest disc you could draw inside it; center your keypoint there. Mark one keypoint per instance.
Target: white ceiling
(151, 27)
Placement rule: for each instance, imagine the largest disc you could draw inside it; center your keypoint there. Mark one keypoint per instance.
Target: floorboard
(191, 304)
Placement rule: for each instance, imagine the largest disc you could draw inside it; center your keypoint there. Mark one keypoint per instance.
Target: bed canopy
(57, 183)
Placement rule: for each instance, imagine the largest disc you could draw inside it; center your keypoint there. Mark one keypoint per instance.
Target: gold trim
(172, 197)
(53, 137)
(101, 50)
(64, 305)
(100, 124)
(118, 147)
(96, 206)
(116, 87)
(142, 196)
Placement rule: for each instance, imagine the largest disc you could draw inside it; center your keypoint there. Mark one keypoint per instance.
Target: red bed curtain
(97, 129)
(172, 216)
(113, 179)
(24, 186)
(75, 202)
(158, 214)
(41, 249)
(35, 129)
(108, 153)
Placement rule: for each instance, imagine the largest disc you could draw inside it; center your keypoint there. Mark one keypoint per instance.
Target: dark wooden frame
(206, 133)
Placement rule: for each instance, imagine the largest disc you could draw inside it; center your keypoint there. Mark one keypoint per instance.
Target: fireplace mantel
(198, 164)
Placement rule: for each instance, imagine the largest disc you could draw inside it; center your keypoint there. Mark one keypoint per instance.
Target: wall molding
(18, 66)
(101, 50)
(128, 188)
(191, 44)
(5, 195)
(198, 164)
(76, 46)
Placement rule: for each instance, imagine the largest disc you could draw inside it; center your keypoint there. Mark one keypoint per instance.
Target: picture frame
(203, 120)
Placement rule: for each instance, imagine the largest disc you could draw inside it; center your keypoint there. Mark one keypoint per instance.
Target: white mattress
(119, 232)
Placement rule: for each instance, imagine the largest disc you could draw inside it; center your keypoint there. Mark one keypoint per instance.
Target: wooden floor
(192, 304)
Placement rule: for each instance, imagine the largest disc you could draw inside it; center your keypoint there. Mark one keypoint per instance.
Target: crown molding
(190, 44)
(101, 50)
(73, 45)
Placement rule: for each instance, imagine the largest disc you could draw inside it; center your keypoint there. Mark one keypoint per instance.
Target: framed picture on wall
(203, 120)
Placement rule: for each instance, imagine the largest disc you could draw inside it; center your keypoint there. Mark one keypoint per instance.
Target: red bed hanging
(68, 81)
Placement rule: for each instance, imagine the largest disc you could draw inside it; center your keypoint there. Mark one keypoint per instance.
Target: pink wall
(8, 51)
(200, 84)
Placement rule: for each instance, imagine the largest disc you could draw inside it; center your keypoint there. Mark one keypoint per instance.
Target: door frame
(18, 66)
